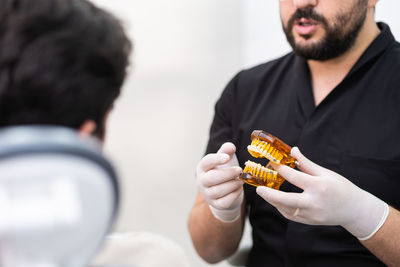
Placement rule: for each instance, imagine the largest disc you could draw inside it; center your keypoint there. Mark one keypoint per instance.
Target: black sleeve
(221, 130)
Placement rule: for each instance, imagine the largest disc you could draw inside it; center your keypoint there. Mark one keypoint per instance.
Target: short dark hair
(61, 62)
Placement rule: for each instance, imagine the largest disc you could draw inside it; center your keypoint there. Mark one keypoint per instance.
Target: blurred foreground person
(62, 62)
(62, 66)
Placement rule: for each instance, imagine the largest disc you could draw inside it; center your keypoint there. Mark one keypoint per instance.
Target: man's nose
(304, 3)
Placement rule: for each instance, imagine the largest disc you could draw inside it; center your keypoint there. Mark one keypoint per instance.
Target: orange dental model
(265, 145)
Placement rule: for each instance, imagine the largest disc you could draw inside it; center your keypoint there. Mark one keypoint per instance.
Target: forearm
(213, 240)
(385, 243)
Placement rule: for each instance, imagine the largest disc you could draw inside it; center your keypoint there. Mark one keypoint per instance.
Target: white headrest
(58, 197)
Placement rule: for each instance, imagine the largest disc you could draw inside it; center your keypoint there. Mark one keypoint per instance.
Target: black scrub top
(354, 131)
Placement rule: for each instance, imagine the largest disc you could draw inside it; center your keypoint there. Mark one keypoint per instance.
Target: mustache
(307, 13)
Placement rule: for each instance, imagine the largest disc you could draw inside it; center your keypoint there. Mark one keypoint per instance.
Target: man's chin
(304, 37)
(311, 50)
(306, 44)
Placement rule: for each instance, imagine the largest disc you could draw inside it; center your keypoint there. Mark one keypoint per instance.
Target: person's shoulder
(272, 67)
(250, 79)
(265, 71)
(140, 249)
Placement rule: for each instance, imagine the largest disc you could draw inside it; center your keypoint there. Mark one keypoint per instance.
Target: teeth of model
(259, 170)
(266, 150)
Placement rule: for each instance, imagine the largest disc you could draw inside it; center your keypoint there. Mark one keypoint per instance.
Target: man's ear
(87, 128)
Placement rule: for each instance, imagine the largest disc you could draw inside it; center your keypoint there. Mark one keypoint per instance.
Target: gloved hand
(217, 180)
(328, 199)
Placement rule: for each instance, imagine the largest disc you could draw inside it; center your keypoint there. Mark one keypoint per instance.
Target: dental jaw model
(265, 145)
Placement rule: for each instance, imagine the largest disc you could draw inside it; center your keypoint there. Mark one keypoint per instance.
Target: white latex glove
(217, 180)
(328, 199)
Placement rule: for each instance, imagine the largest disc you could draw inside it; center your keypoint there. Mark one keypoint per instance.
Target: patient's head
(62, 62)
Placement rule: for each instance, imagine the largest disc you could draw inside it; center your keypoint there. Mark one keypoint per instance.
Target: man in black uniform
(335, 98)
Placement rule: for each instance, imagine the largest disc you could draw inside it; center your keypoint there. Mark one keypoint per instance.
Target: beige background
(185, 53)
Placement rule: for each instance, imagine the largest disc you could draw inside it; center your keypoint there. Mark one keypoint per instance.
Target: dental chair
(58, 197)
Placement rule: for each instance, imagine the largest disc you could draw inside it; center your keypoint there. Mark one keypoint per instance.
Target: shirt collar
(302, 81)
(384, 40)
(302, 73)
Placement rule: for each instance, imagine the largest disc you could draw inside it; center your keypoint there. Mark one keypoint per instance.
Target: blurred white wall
(185, 52)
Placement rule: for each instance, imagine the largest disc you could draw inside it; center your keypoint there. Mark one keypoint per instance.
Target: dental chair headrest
(58, 197)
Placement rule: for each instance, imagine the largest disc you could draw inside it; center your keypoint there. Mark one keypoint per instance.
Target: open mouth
(265, 145)
(306, 26)
(306, 22)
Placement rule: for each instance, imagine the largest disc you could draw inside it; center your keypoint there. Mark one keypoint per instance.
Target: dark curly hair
(61, 62)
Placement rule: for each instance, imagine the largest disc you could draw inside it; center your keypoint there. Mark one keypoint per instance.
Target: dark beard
(337, 39)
